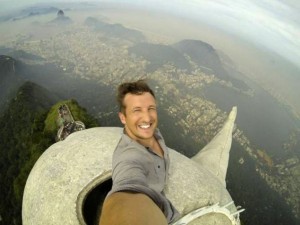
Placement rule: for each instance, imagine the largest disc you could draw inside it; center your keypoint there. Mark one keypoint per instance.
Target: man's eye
(152, 109)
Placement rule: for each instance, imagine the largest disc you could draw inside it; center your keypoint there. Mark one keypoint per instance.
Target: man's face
(140, 118)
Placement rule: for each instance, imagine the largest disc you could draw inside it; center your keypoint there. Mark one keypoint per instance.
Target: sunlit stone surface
(68, 170)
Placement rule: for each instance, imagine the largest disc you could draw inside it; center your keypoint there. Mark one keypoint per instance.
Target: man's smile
(144, 126)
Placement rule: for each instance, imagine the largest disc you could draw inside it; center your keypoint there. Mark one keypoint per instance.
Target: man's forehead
(143, 99)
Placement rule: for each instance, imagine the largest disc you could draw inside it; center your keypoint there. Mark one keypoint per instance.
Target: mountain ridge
(208, 59)
(22, 141)
(24, 137)
(114, 30)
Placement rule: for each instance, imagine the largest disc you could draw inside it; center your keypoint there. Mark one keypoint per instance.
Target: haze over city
(202, 57)
(260, 36)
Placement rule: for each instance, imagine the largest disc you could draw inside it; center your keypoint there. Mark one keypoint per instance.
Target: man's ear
(122, 117)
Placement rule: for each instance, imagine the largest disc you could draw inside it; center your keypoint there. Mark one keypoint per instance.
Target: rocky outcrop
(61, 18)
(60, 13)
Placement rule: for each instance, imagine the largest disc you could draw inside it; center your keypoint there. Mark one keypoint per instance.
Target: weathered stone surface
(192, 186)
(63, 171)
(215, 155)
(68, 170)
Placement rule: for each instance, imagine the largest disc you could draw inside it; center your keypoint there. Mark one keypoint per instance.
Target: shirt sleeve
(129, 169)
(130, 174)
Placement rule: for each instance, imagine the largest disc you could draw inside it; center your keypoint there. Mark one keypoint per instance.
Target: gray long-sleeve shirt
(138, 169)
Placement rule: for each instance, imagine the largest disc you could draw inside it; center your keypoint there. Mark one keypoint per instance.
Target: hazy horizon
(271, 24)
(260, 37)
(202, 57)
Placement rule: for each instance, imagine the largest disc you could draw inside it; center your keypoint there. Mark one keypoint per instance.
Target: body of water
(263, 120)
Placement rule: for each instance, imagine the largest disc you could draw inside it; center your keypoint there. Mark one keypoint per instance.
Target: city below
(82, 52)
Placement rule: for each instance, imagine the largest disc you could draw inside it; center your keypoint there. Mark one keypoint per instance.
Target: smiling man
(140, 163)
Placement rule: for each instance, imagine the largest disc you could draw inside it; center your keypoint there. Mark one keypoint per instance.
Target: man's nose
(146, 116)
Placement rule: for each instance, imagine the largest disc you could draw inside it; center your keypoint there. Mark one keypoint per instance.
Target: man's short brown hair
(137, 88)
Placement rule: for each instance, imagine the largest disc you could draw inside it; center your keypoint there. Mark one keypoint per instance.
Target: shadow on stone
(93, 203)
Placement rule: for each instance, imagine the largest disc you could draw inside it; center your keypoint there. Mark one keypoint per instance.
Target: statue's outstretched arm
(215, 155)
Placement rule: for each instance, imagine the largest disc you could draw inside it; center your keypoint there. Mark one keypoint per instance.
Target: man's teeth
(145, 126)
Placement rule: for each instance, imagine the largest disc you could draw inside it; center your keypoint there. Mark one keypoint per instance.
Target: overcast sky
(274, 24)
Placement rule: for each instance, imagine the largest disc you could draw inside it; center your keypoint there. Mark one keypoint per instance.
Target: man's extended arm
(129, 201)
(124, 208)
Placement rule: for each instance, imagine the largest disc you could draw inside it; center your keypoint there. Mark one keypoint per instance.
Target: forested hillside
(24, 137)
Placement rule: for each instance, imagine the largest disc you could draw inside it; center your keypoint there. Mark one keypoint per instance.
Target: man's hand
(126, 208)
